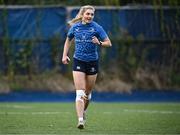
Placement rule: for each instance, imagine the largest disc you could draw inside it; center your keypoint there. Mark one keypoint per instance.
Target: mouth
(89, 19)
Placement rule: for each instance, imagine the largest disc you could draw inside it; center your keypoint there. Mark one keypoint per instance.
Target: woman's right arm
(65, 58)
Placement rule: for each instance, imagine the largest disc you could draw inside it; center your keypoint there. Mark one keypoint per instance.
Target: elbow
(110, 44)
(107, 43)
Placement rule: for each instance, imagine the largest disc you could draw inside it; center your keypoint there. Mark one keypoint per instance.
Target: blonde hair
(79, 15)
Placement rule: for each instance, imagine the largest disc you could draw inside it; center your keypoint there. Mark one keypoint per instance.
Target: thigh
(90, 82)
(79, 65)
(92, 67)
(79, 80)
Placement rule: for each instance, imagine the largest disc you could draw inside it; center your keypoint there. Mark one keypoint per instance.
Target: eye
(90, 14)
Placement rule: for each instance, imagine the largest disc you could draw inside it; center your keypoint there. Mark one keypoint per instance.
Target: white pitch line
(33, 113)
(17, 106)
(144, 111)
(151, 111)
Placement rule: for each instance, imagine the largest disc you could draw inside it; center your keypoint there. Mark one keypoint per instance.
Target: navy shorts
(89, 68)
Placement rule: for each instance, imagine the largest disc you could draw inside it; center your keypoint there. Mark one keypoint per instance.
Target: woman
(87, 35)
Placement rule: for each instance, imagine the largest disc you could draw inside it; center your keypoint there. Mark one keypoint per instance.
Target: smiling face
(88, 16)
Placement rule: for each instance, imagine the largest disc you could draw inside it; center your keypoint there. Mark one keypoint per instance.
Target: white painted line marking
(33, 113)
(144, 111)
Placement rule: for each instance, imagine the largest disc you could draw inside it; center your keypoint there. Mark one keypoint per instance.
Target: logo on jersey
(91, 29)
(83, 36)
(78, 67)
(92, 69)
(77, 29)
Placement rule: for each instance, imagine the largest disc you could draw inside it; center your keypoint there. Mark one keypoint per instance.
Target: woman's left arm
(105, 43)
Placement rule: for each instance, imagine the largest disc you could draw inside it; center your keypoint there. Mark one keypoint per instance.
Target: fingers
(68, 59)
(94, 40)
(65, 60)
(94, 37)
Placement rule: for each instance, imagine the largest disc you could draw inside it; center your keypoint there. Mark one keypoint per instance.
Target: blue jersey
(85, 49)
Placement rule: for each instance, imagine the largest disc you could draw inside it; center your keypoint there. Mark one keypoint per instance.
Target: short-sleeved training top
(85, 49)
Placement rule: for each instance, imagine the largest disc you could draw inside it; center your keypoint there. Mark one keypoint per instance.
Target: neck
(83, 22)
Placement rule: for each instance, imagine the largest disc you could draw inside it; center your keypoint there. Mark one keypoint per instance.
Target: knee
(80, 95)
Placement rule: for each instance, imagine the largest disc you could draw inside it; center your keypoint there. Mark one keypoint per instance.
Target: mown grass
(103, 118)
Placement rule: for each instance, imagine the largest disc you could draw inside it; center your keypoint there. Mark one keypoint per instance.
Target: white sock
(80, 118)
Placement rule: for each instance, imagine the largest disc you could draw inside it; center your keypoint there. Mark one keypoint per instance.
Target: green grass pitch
(102, 118)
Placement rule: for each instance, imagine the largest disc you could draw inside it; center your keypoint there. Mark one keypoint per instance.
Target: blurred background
(145, 54)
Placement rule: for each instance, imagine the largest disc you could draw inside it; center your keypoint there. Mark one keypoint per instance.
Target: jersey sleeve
(70, 33)
(102, 34)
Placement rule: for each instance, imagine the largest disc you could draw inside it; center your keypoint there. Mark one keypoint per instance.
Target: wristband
(100, 43)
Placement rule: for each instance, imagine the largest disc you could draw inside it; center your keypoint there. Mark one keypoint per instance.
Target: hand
(95, 40)
(65, 60)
